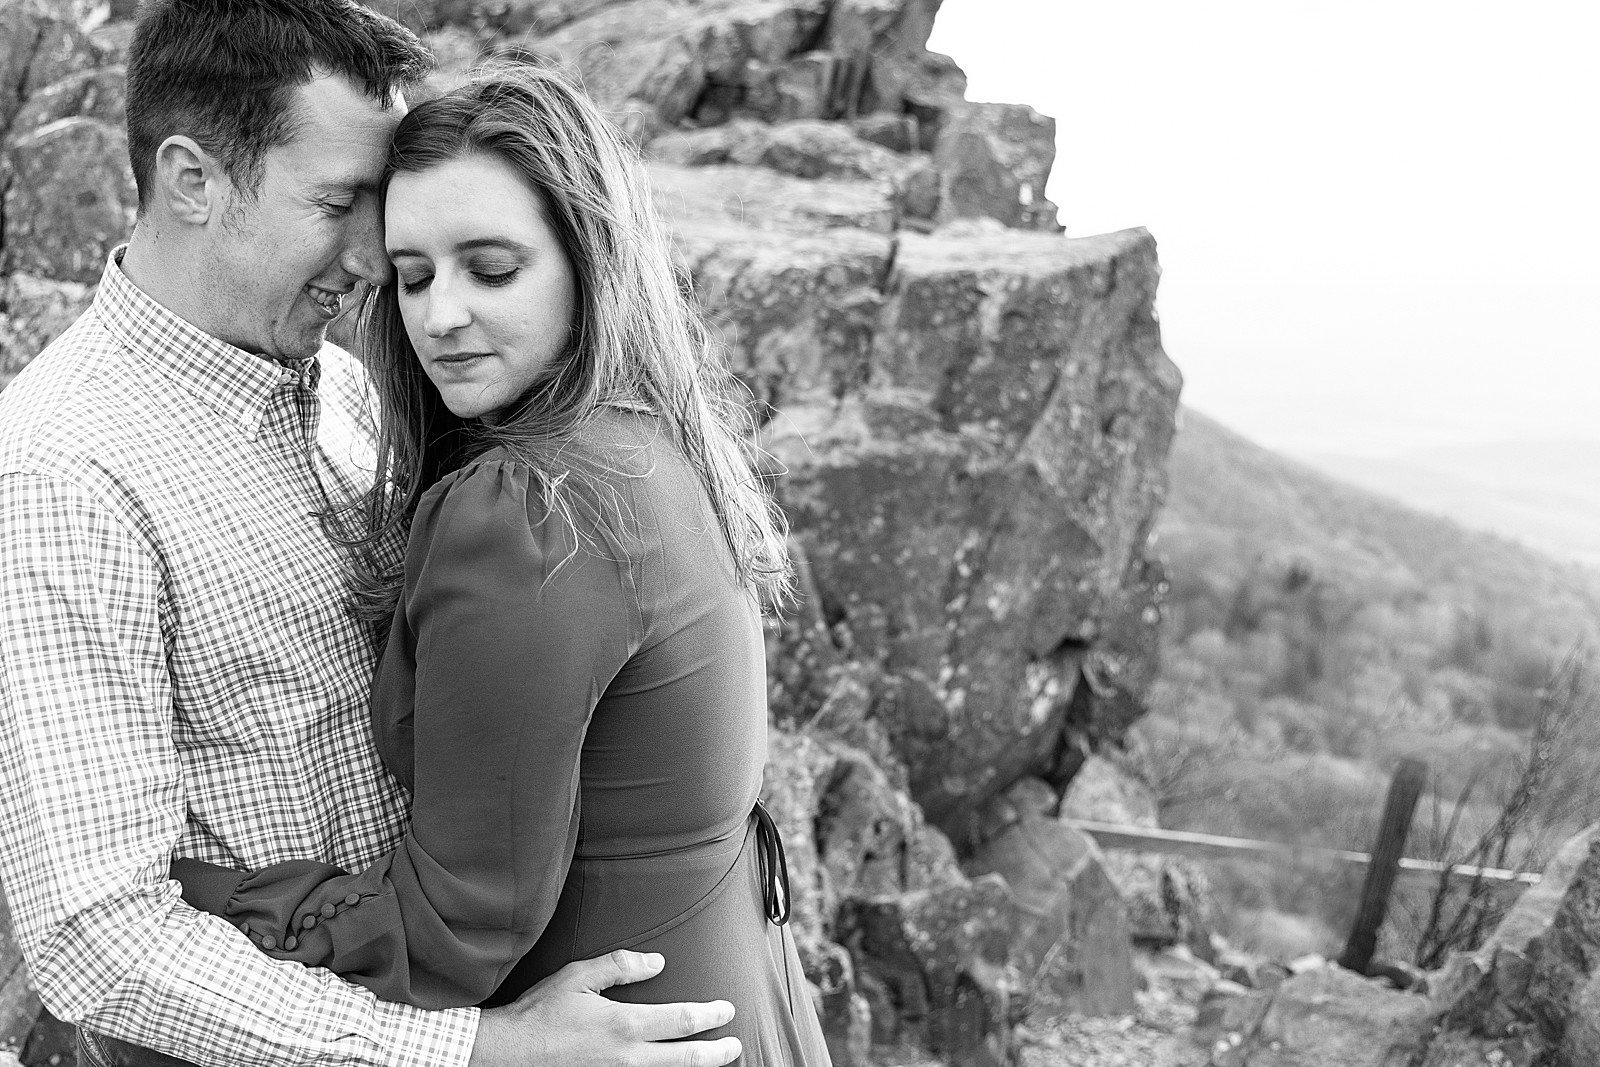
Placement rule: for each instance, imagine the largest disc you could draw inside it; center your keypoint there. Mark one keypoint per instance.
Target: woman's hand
(565, 1021)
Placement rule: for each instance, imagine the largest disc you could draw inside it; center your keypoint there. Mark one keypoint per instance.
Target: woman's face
(485, 289)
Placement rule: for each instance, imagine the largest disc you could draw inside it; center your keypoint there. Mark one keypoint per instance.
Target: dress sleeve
(517, 625)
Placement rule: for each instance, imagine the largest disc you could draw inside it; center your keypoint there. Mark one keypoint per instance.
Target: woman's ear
(187, 181)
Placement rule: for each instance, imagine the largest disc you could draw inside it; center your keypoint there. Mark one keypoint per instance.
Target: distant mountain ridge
(1544, 493)
(1222, 483)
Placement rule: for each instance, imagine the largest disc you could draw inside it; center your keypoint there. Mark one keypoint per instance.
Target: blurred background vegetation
(1315, 635)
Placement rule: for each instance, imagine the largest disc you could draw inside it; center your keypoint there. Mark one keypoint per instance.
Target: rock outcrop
(971, 413)
(1528, 997)
(66, 194)
(1533, 989)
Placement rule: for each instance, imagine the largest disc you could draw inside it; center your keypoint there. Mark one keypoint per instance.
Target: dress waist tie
(774, 867)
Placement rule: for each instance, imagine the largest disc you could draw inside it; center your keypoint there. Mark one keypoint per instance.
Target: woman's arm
(515, 630)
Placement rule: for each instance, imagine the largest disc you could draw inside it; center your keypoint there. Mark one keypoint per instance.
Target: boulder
(931, 85)
(97, 93)
(666, 62)
(763, 199)
(1450, 1049)
(974, 457)
(1329, 1016)
(917, 195)
(1538, 977)
(796, 310)
(846, 1015)
(883, 41)
(1226, 1016)
(993, 161)
(32, 312)
(41, 42)
(868, 873)
(803, 149)
(811, 149)
(1076, 934)
(799, 88)
(659, 58)
(1169, 899)
(939, 964)
(69, 198)
(898, 133)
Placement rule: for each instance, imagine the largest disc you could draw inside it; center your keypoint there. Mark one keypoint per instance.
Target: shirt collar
(235, 383)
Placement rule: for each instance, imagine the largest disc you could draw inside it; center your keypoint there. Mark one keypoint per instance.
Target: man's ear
(189, 182)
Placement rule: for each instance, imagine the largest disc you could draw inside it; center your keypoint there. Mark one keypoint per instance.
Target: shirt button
(269, 942)
(353, 899)
(290, 942)
(328, 911)
(308, 922)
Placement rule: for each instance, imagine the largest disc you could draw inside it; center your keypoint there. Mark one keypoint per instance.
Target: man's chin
(304, 346)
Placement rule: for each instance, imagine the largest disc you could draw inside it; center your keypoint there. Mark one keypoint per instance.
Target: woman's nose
(446, 311)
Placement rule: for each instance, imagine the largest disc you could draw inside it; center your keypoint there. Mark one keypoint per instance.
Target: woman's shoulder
(595, 482)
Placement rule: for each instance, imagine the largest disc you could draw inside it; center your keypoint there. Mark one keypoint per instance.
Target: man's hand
(565, 1022)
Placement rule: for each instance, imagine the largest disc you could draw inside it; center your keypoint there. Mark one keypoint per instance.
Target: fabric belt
(774, 867)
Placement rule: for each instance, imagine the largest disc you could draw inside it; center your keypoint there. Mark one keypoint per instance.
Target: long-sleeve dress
(578, 706)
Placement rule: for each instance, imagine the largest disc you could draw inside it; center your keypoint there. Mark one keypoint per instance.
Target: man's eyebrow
(475, 243)
(336, 186)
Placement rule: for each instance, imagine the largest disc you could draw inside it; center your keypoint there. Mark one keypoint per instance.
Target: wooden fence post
(1404, 791)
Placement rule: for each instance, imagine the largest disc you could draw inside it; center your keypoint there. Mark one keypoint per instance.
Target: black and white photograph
(799, 533)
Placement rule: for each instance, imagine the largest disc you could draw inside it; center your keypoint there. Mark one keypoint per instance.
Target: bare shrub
(1546, 794)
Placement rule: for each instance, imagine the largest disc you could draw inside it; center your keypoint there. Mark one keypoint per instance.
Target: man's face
(280, 263)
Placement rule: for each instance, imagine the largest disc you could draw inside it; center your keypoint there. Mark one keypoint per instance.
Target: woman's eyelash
(485, 277)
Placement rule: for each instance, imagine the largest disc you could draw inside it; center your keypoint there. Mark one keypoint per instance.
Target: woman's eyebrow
(493, 242)
(475, 243)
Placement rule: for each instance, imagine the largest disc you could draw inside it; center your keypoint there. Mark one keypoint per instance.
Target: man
(177, 676)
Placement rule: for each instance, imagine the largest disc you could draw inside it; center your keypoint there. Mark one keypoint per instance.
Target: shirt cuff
(428, 1038)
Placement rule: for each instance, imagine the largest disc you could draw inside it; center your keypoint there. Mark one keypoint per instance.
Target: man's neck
(163, 272)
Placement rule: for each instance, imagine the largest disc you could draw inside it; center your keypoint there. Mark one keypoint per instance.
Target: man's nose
(364, 255)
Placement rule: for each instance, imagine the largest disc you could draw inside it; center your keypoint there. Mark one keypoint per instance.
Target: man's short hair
(224, 72)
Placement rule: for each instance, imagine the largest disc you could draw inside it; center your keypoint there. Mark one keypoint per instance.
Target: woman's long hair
(637, 340)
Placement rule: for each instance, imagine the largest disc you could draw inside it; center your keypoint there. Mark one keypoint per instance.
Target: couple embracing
(387, 713)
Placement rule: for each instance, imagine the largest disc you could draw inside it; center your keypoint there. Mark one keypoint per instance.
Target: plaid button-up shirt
(177, 677)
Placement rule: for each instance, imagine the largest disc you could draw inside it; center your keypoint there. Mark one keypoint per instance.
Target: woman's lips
(459, 360)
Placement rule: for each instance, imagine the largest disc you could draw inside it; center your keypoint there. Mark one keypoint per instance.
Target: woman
(573, 683)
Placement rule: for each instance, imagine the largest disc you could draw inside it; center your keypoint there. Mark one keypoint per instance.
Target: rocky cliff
(970, 413)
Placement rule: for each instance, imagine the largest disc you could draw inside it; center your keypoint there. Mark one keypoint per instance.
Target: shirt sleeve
(92, 801)
(513, 627)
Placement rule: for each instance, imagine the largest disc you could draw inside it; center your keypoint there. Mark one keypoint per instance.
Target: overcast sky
(1378, 222)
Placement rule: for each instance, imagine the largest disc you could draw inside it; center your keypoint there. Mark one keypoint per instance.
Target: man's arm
(92, 800)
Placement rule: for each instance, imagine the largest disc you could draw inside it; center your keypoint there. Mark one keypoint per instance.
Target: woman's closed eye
(496, 276)
(413, 281)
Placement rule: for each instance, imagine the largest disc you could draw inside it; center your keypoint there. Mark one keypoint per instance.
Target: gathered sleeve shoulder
(513, 623)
